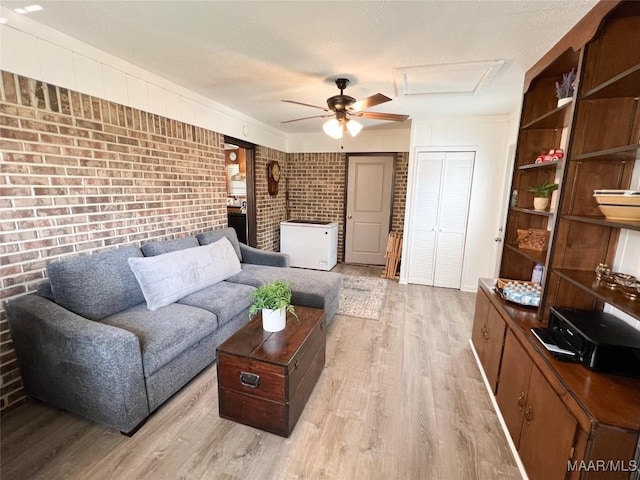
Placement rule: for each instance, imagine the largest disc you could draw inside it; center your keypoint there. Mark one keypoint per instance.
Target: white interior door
(439, 223)
(422, 248)
(369, 195)
(452, 224)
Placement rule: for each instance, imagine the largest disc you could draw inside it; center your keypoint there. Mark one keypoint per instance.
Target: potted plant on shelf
(274, 300)
(541, 195)
(564, 90)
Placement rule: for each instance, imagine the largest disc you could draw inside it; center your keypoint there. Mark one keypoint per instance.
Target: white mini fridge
(310, 244)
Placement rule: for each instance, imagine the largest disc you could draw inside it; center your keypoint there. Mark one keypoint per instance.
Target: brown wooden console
(558, 414)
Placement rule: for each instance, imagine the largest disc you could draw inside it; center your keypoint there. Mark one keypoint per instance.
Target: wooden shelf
(604, 222)
(586, 280)
(531, 211)
(557, 118)
(627, 152)
(627, 84)
(533, 255)
(540, 165)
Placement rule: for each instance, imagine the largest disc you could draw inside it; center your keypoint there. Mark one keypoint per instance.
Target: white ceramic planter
(274, 320)
(564, 101)
(540, 203)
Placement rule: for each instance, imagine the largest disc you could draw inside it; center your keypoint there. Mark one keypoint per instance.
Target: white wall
(488, 137)
(37, 51)
(375, 140)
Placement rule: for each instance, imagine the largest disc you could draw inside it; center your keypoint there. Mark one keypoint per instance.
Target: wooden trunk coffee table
(265, 378)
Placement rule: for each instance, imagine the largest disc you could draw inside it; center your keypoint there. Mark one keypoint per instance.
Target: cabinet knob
(349, 217)
(484, 329)
(528, 414)
(521, 400)
(486, 336)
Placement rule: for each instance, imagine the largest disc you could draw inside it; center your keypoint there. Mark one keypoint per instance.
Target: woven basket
(533, 239)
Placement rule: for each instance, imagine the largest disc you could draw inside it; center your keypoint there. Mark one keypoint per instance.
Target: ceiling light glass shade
(333, 128)
(353, 127)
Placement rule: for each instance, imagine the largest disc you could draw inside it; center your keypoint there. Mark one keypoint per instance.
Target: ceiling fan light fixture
(333, 128)
(353, 127)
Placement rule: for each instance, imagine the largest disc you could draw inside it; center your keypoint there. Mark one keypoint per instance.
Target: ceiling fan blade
(306, 105)
(369, 102)
(393, 117)
(307, 118)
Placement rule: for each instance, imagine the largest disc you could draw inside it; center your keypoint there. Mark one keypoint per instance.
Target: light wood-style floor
(400, 398)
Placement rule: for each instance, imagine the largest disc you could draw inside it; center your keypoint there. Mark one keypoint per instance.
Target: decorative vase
(564, 101)
(540, 203)
(274, 320)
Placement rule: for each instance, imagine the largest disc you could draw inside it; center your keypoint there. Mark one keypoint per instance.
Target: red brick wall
(400, 191)
(80, 174)
(317, 189)
(270, 210)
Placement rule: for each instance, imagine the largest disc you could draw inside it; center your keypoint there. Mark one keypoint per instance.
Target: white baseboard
(512, 446)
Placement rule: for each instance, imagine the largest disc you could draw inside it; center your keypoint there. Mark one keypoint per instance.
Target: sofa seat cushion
(96, 286)
(309, 288)
(152, 249)
(167, 278)
(225, 299)
(165, 333)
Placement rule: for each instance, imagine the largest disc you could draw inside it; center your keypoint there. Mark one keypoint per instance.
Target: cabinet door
(494, 340)
(487, 337)
(480, 321)
(548, 432)
(515, 374)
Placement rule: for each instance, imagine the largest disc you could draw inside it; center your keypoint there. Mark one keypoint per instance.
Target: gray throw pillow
(167, 246)
(205, 238)
(165, 279)
(96, 286)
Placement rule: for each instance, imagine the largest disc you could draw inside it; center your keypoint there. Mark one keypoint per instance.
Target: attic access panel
(460, 78)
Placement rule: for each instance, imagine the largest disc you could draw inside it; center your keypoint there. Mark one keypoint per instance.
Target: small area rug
(362, 297)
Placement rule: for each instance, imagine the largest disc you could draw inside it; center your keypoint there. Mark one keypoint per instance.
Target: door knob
(349, 217)
(497, 239)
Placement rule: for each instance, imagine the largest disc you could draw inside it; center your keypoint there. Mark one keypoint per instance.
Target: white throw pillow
(166, 278)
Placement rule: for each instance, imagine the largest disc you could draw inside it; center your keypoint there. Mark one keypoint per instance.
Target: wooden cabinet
(541, 426)
(557, 413)
(488, 337)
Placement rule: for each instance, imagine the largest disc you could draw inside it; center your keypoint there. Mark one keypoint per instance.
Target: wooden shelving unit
(576, 414)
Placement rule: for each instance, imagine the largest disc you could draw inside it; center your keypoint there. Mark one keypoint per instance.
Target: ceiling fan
(343, 108)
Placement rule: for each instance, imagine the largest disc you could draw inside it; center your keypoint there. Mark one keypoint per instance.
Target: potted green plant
(274, 301)
(541, 195)
(564, 90)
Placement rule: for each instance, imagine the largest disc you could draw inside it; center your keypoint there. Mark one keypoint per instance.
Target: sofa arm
(260, 257)
(86, 367)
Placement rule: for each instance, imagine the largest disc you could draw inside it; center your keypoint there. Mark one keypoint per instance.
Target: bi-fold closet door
(439, 218)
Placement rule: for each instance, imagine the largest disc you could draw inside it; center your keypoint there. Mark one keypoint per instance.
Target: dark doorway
(239, 159)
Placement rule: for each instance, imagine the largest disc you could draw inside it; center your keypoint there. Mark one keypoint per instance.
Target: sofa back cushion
(165, 279)
(167, 246)
(96, 286)
(205, 238)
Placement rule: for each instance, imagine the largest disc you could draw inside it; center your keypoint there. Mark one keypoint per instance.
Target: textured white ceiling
(250, 55)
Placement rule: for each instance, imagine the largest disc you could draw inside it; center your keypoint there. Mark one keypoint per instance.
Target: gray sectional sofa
(104, 337)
